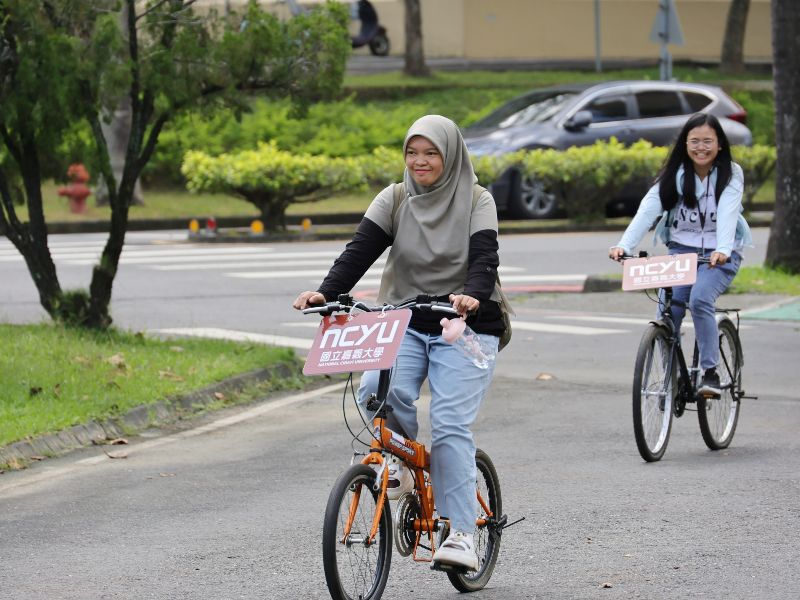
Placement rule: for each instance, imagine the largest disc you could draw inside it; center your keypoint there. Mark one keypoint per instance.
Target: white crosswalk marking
(567, 329)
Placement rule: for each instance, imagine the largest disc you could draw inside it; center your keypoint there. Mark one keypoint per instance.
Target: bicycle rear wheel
(719, 416)
(356, 569)
(653, 393)
(487, 538)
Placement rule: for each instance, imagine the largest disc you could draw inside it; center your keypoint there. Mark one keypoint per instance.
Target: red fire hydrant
(77, 190)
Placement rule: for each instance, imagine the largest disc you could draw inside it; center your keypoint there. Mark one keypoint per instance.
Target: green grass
(766, 193)
(532, 78)
(168, 203)
(762, 280)
(55, 377)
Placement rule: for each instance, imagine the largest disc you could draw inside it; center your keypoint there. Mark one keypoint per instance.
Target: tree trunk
(272, 209)
(733, 42)
(415, 54)
(783, 250)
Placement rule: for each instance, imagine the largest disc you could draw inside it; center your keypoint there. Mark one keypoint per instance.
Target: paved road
(233, 509)
(235, 512)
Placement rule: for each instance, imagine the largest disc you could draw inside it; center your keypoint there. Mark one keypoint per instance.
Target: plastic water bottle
(469, 343)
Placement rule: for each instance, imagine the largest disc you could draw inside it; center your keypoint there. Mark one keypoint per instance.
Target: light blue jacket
(733, 232)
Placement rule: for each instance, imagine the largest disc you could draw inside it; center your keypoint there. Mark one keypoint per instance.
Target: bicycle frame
(417, 458)
(687, 376)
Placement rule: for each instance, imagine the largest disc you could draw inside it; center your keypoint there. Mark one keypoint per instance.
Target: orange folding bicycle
(357, 531)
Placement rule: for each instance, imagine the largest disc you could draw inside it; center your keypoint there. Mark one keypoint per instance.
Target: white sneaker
(458, 550)
(401, 481)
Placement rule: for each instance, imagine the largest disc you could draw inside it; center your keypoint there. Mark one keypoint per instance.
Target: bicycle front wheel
(356, 568)
(487, 538)
(719, 416)
(654, 384)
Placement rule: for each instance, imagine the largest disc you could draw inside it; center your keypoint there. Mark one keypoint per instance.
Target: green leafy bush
(343, 128)
(760, 107)
(586, 178)
(757, 162)
(271, 179)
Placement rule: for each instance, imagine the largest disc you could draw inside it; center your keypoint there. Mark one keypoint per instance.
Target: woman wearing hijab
(443, 244)
(699, 197)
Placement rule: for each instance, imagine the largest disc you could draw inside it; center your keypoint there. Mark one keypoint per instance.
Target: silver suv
(578, 115)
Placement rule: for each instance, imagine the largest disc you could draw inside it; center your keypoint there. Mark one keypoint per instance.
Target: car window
(608, 108)
(697, 102)
(528, 109)
(658, 104)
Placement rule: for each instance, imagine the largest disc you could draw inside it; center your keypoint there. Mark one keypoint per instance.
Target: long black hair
(667, 185)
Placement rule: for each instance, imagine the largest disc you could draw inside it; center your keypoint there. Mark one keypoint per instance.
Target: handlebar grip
(444, 308)
(323, 309)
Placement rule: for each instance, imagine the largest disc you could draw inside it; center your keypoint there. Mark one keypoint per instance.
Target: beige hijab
(432, 226)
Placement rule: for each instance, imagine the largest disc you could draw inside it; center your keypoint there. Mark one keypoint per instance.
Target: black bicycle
(663, 383)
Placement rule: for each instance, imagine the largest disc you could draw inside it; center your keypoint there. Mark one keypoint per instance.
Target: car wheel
(533, 201)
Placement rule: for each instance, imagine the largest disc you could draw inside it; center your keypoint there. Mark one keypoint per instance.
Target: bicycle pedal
(449, 568)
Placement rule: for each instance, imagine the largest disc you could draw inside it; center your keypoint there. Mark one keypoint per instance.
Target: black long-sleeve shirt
(370, 241)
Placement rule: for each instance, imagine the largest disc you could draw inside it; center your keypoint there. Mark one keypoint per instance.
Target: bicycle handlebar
(701, 260)
(346, 303)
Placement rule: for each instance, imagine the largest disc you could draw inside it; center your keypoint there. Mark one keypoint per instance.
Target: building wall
(565, 29)
(561, 29)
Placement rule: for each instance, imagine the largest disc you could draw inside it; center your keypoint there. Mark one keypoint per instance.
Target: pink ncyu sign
(659, 271)
(368, 341)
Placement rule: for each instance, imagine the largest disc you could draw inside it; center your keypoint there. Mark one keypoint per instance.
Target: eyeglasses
(706, 143)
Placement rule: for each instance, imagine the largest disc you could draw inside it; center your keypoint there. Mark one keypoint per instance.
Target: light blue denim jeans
(701, 298)
(457, 389)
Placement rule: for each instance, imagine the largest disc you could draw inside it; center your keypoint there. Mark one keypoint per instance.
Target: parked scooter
(372, 33)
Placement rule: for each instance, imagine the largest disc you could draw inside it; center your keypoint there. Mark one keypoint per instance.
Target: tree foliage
(69, 62)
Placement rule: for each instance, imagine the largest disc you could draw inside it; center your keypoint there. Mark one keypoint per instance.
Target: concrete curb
(333, 227)
(18, 454)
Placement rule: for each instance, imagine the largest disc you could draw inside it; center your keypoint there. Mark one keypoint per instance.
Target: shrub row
(351, 127)
(584, 178)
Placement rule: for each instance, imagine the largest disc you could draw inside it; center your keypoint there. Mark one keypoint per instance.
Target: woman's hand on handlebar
(717, 258)
(464, 304)
(308, 299)
(616, 253)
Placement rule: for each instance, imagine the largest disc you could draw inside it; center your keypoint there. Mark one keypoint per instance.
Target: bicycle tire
(487, 539)
(354, 570)
(719, 416)
(653, 393)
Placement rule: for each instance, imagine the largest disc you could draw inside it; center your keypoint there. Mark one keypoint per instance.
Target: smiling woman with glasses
(699, 196)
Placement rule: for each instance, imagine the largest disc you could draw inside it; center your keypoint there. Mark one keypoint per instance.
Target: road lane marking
(253, 262)
(566, 329)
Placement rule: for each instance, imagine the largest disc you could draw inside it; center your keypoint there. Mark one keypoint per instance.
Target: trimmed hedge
(585, 178)
(352, 126)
